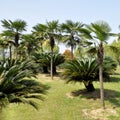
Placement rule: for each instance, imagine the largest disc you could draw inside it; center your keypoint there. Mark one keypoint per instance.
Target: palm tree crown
(71, 31)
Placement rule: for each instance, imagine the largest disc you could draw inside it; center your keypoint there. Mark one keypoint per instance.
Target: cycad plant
(87, 70)
(44, 60)
(18, 85)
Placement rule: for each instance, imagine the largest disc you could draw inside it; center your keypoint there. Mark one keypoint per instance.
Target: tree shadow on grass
(110, 95)
(114, 79)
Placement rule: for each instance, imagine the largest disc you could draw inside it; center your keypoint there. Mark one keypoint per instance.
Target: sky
(40, 11)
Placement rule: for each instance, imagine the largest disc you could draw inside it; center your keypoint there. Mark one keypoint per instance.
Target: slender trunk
(71, 52)
(100, 62)
(52, 44)
(101, 86)
(52, 64)
(16, 44)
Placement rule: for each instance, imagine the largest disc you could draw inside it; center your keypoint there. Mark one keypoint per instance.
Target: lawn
(60, 104)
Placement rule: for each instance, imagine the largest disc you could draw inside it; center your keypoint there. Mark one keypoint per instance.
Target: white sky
(40, 11)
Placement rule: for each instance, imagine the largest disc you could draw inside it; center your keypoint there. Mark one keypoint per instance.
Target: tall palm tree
(49, 31)
(15, 28)
(29, 44)
(8, 36)
(46, 47)
(100, 32)
(71, 31)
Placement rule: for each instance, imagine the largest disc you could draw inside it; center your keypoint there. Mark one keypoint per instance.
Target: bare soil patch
(99, 114)
(95, 114)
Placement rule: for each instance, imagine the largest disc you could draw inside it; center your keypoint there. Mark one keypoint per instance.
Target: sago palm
(87, 70)
(18, 85)
(43, 59)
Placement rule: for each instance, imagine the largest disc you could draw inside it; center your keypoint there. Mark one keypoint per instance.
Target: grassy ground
(60, 105)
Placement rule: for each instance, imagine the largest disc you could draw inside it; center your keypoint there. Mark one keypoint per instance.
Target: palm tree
(18, 86)
(100, 32)
(8, 36)
(29, 44)
(4, 46)
(40, 34)
(49, 31)
(15, 28)
(71, 32)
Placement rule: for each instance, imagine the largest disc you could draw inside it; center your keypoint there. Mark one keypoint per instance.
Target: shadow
(109, 95)
(114, 79)
(116, 74)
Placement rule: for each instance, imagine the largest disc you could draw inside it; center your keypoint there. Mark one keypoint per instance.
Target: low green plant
(87, 70)
(18, 85)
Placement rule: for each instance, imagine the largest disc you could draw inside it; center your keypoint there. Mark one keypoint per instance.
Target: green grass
(58, 106)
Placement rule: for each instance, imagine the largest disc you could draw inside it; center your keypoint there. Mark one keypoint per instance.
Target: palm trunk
(101, 86)
(52, 64)
(100, 62)
(71, 52)
(52, 44)
(16, 44)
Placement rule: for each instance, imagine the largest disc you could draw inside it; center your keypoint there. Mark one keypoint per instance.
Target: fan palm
(4, 46)
(14, 28)
(100, 32)
(29, 44)
(49, 31)
(71, 31)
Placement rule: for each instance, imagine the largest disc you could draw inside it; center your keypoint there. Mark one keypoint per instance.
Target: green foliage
(18, 85)
(44, 59)
(101, 30)
(71, 31)
(82, 70)
(113, 50)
